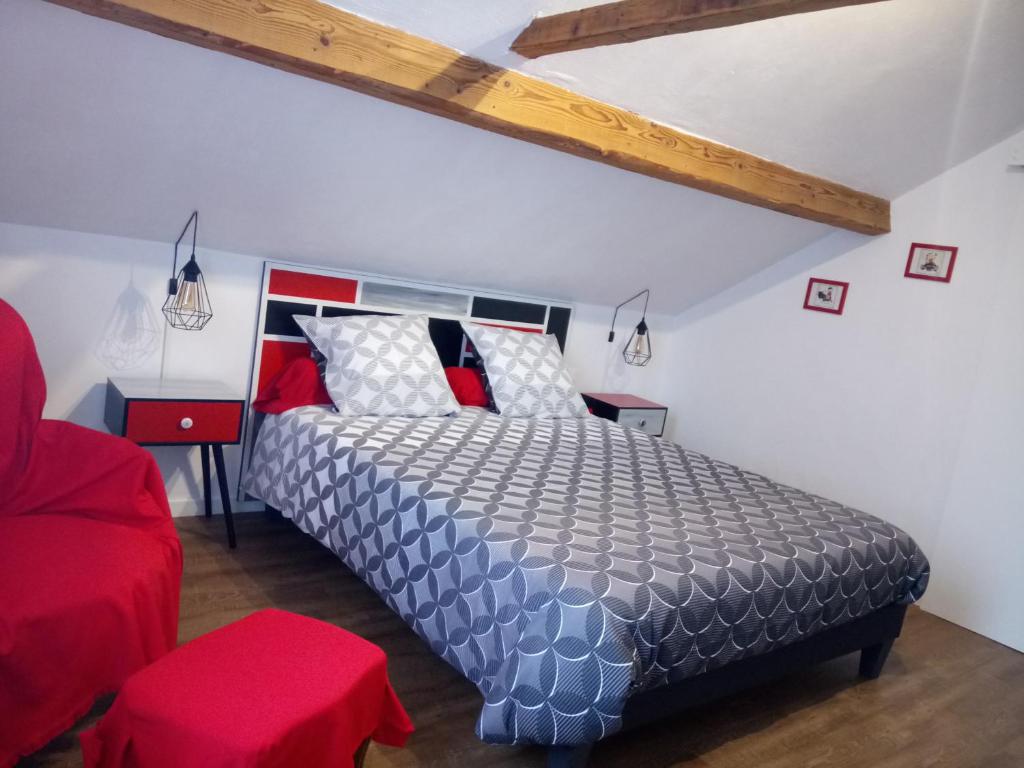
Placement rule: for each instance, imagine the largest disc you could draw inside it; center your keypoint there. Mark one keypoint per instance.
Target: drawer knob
(643, 422)
(186, 423)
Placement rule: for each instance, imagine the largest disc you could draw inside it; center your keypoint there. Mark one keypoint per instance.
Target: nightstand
(204, 413)
(629, 411)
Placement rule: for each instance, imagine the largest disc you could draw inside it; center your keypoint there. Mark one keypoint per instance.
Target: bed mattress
(562, 565)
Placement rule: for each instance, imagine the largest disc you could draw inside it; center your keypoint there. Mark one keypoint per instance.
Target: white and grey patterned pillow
(526, 372)
(380, 365)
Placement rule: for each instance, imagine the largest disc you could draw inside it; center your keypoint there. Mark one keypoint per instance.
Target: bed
(568, 566)
(585, 576)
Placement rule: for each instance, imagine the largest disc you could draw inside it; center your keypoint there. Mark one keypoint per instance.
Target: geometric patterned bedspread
(563, 564)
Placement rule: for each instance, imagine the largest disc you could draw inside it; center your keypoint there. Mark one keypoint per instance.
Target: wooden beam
(323, 42)
(630, 20)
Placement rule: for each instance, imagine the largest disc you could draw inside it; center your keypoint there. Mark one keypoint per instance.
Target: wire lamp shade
(638, 350)
(187, 306)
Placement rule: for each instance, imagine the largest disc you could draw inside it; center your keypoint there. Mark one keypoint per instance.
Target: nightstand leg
(204, 454)
(225, 499)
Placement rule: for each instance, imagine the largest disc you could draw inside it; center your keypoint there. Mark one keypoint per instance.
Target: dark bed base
(872, 635)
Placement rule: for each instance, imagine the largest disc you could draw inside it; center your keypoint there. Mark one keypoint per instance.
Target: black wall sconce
(638, 349)
(188, 304)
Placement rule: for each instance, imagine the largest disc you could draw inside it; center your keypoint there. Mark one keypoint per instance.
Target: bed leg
(569, 757)
(872, 658)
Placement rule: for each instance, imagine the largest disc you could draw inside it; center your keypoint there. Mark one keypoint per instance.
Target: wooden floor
(947, 697)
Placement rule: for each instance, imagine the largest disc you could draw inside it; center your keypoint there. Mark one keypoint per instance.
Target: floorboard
(947, 696)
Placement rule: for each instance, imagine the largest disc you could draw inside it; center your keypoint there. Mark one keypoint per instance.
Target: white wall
(909, 405)
(70, 286)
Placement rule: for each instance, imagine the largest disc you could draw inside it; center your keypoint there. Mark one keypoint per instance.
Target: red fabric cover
(90, 563)
(468, 386)
(274, 689)
(298, 383)
(275, 355)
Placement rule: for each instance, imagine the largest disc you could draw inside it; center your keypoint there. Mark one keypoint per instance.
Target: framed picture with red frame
(931, 262)
(826, 295)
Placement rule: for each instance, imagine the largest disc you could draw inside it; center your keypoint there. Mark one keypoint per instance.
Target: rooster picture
(826, 295)
(931, 262)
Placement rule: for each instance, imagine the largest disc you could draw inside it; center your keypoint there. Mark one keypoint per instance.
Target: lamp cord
(193, 218)
(611, 333)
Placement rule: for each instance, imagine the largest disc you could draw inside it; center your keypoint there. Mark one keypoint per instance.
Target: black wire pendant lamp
(188, 304)
(638, 350)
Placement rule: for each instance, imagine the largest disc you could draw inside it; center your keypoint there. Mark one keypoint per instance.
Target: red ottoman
(273, 689)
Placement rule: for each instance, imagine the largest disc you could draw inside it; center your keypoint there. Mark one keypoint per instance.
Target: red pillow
(467, 385)
(298, 383)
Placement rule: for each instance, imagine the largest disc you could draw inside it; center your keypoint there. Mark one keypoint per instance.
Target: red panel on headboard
(324, 287)
(276, 355)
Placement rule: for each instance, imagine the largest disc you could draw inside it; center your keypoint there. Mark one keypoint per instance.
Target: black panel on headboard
(447, 337)
(558, 324)
(279, 317)
(347, 311)
(511, 311)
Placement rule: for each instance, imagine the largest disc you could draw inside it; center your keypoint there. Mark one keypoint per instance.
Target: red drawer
(167, 421)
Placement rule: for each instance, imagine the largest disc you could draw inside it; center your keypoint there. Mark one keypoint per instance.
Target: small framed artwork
(931, 262)
(826, 295)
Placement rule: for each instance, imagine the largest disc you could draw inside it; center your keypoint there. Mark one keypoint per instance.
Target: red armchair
(90, 563)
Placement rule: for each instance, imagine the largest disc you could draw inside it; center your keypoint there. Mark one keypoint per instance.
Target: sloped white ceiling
(881, 97)
(113, 130)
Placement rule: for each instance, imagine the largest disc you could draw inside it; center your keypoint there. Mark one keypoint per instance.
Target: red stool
(274, 689)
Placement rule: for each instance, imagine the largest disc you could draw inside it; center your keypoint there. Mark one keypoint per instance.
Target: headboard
(290, 289)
